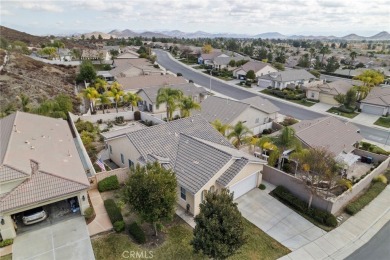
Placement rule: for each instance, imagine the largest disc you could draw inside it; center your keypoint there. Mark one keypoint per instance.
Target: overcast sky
(316, 17)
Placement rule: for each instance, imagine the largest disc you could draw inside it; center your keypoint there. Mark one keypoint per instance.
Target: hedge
(6, 242)
(373, 191)
(109, 183)
(113, 211)
(119, 226)
(319, 215)
(137, 233)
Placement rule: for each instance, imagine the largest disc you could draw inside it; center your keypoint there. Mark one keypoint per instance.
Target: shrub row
(109, 183)
(373, 191)
(6, 242)
(113, 211)
(291, 95)
(137, 233)
(319, 215)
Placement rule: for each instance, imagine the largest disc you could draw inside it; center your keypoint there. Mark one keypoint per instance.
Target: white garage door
(373, 110)
(245, 185)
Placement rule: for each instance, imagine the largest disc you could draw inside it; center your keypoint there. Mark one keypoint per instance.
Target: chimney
(34, 166)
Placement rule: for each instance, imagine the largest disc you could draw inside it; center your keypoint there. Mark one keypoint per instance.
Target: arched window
(212, 188)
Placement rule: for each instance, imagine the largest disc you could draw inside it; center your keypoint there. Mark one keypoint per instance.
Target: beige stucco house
(326, 91)
(256, 112)
(39, 165)
(259, 68)
(201, 157)
(286, 79)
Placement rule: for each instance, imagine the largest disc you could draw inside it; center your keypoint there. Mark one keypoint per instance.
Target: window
(183, 193)
(122, 159)
(130, 163)
(110, 149)
(312, 94)
(212, 188)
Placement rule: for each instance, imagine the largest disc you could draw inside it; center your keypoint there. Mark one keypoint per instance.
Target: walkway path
(101, 223)
(352, 234)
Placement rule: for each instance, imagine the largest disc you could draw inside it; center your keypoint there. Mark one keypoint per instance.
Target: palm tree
(24, 101)
(104, 100)
(324, 50)
(239, 134)
(220, 127)
(186, 105)
(100, 85)
(362, 91)
(170, 97)
(133, 99)
(91, 95)
(117, 93)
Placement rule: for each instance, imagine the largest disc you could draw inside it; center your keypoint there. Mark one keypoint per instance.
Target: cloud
(41, 6)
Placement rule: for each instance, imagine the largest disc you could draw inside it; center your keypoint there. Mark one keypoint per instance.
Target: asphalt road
(377, 248)
(374, 134)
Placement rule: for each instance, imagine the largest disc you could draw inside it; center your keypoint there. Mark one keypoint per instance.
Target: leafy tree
(100, 38)
(151, 192)
(114, 53)
(317, 166)
(187, 104)
(278, 66)
(280, 57)
(103, 100)
(232, 63)
(370, 78)
(170, 97)
(350, 98)
(353, 55)
(64, 103)
(304, 61)
(340, 98)
(117, 93)
(50, 51)
(262, 54)
(239, 134)
(332, 64)
(57, 108)
(251, 75)
(220, 127)
(241, 62)
(100, 85)
(270, 57)
(219, 230)
(132, 99)
(87, 72)
(207, 48)
(362, 91)
(273, 157)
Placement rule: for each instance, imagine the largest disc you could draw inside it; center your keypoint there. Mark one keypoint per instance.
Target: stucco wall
(121, 173)
(122, 146)
(247, 171)
(250, 116)
(266, 70)
(316, 95)
(127, 115)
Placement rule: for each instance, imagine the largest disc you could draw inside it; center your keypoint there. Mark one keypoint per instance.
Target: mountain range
(200, 34)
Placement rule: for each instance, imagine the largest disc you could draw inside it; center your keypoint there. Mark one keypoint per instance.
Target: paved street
(370, 133)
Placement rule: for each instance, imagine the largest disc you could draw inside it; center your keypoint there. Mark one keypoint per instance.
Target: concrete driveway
(68, 240)
(276, 219)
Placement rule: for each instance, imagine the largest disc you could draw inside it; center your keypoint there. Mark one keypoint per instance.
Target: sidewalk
(352, 234)
(101, 223)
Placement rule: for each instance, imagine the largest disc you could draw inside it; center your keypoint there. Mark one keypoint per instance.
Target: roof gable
(232, 171)
(224, 109)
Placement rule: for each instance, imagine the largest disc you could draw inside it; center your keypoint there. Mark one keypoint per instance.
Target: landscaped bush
(319, 215)
(84, 126)
(88, 213)
(262, 187)
(109, 183)
(137, 233)
(119, 226)
(113, 211)
(6, 242)
(373, 191)
(381, 178)
(137, 115)
(289, 121)
(373, 148)
(119, 119)
(345, 109)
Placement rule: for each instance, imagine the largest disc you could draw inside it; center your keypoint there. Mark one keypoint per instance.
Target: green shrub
(373, 191)
(262, 187)
(6, 242)
(109, 183)
(381, 178)
(89, 213)
(113, 211)
(365, 145)
(119, 226)
(319, 215)
(84, 126)
(345, 109)
(137, 233)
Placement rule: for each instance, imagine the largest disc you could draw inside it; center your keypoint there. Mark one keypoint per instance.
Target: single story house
(336, 136)
(138, 82)
(133, 67)
(201, 157)
(128, 55)
(377, 101)
(223, 62)
(288, 78)
(39, 166)
(256, 112)
(149, 96)
(89, 54)
(208, 58)
(64, 54)
(326, 91)
(260, 69)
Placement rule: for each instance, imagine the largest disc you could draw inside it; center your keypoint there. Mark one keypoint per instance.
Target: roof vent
(32, 147)
(43, 136)
(26, 142)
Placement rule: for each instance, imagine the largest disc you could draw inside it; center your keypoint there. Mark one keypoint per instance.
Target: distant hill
(353, 37)
(124, 34)
(380, 36)
(270, 35)
(154, 34)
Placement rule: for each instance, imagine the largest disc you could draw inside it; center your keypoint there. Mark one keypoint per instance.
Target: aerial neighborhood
(174, 145)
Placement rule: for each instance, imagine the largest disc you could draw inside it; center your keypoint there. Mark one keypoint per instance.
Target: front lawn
(294, 96)
(177, 245)
(383, 121)
(334, 110)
